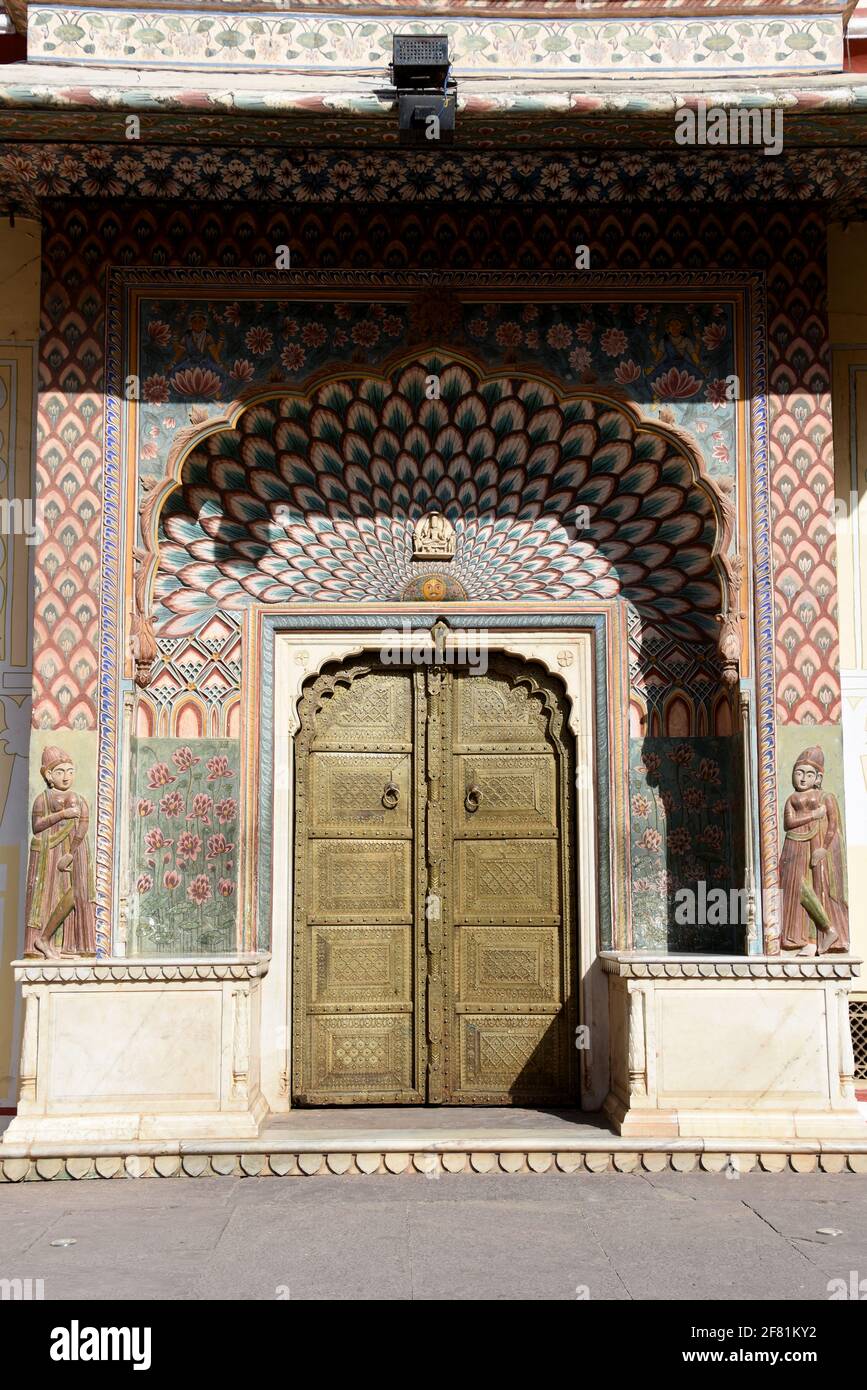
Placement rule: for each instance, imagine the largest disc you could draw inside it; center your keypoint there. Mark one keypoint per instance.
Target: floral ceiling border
(301, 41)
(30, 173)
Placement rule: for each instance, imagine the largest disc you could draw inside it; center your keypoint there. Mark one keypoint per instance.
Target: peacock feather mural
(314, 497)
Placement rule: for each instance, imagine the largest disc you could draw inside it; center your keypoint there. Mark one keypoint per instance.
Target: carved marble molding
(39, 972)
(629, 966)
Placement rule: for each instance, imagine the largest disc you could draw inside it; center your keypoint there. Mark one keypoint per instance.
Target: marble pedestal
(731, 1046)
(139, 1049)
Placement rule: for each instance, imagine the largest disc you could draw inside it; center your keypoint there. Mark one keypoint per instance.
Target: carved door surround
(434, 902)
(579, 640)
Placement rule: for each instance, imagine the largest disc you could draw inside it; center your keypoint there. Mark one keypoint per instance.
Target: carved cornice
(629, 966)
(143, 971)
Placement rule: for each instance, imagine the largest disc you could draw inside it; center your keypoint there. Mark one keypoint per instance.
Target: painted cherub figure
(812, 879)
(59, 871)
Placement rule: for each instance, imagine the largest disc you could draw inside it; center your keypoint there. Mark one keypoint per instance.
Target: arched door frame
(583, 645)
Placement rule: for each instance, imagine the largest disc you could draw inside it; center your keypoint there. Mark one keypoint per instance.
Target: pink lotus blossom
(720, 452)
(680, 841)
(189, 845)
(203, 806)
(613, 342)
(144, 883)
(184, 758)
(627, 371)
(232, 314)
(156, 389)
(293, 357)
(340, 338)
(584, 331)
(218, 766)
(683, 754)
(651, 839)
(225, 887)
(290, 328)
(365, 333)
(159, 333)
(243, 370)
(579, 359)
(708, 771)
(226, 810)
(149, 451)
(145, 807)
(676, 385)
(172, 804)
(712, 836)
(218, 844)
(159, 776)
(199, 891)
(155, 840)
(640, 805)
(714, 335)
(198, 382)
(258, 340)
(717, 392)
(508, 334)
(313, 335)
(559, 335)
(171, 878)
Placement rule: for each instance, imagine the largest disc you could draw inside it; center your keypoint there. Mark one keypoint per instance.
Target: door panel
(497, 794)
(358, 1031)
(509, 966)
(511, 1007)
(434, 926)
(364, 792)
(506, 880)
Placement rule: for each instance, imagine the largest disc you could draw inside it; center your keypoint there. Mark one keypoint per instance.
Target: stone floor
(523, 1237)
(405, 1126)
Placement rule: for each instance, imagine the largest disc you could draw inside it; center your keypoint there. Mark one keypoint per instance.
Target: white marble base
(736, 1047)
(125, 1050)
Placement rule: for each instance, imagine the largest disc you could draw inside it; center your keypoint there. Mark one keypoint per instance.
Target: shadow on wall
(686, 837)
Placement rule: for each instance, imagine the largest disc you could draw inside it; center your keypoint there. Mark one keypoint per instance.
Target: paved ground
(524, 1237)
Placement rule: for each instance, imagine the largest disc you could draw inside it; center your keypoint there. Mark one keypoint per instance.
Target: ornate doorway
(434, 923)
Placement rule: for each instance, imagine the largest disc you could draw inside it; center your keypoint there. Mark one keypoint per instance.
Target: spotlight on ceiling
(427, 94)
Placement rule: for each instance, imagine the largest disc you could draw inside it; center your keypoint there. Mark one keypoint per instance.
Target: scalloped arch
(314, 494)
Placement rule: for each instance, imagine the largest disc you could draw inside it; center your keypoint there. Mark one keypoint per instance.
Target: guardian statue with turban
(59, 872)
(812, 875)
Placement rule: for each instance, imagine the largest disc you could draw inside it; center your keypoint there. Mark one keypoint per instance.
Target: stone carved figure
(812, 880)
(433, 538)
(59, 872)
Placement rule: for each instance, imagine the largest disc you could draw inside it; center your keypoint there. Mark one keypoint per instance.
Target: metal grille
(433, 48)
(858, 1021)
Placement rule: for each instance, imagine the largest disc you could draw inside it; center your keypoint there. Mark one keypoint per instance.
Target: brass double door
(433, 950)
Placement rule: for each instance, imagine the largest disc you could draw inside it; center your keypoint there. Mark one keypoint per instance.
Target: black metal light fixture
(427, 94)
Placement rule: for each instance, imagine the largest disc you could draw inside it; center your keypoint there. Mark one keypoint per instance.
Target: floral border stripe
(31, 172)
(289, 41)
